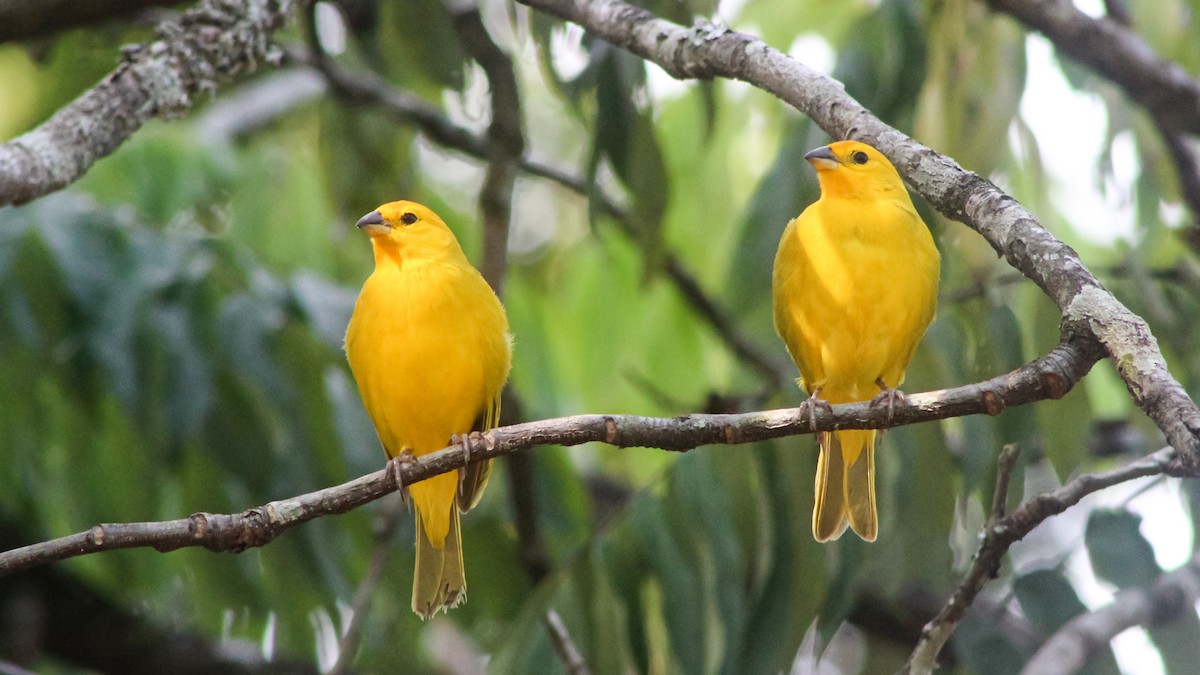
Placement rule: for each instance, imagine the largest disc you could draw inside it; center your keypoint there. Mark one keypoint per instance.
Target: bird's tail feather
(439, 579)
(845, 485)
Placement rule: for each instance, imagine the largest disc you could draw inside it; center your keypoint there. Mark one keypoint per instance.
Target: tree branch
(1003, 531)
(1166, 599)
(1113, 50)
(564, 646)
(1050, 376)
(257, 104)
(938, 631)
(504, 149)
(1088, 310)
(24, 19)
(190, 55)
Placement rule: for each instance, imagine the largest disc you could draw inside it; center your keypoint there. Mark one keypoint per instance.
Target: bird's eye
(858, 157)
(408, 218)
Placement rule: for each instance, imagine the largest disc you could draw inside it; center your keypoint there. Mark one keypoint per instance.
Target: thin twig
(1002, 533)
(1050, 376)
(1181, 273)
(938, 631)
(564, 646)
(1004, 469)
(504, 147)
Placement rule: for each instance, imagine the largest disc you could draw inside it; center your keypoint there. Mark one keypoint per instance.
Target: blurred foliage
(171, 328)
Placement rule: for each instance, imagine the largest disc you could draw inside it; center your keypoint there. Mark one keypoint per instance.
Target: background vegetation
(171, 332)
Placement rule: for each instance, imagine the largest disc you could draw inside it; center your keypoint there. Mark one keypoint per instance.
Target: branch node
(1054, 385)
(992, 404)
(199, 526)
(611, 433)
(97, 536)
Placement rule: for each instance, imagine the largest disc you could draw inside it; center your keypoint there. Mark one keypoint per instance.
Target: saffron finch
(429, 347)
(855, 286)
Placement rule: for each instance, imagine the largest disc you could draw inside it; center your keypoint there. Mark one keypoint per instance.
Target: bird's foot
(887, 396)
(809, 407)
(464, 442)
(396, 467)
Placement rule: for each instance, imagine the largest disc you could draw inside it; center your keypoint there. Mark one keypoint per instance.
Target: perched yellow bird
(855, 286)
(430, 350)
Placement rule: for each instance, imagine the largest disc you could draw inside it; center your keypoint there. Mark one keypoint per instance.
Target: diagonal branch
(564, 646)
(189, 56)
(1002, 532)
(1050, 376)
(935, 634)
(1089, 311)
(1167, 598)
(1112, 49)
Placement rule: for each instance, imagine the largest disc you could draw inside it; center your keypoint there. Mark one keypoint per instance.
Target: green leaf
(882, 63)
(985, 649)
(625, 137)
(417, 43)
(1048, 599)
(1120, 554)
(781, 195)
(324, 305)
(675, 574)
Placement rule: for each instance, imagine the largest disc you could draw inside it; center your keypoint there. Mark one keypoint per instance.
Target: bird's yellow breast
(855, 287)
(428, 344)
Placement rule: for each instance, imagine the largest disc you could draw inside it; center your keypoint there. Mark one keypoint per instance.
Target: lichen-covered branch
(1050, 376)
(1089, 311)
(189, 56)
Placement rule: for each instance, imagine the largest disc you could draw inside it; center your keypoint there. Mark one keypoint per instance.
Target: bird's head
(854, 169)
(408, 230)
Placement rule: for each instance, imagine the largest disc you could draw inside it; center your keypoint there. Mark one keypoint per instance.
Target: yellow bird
(855, 286)
(429, 347)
